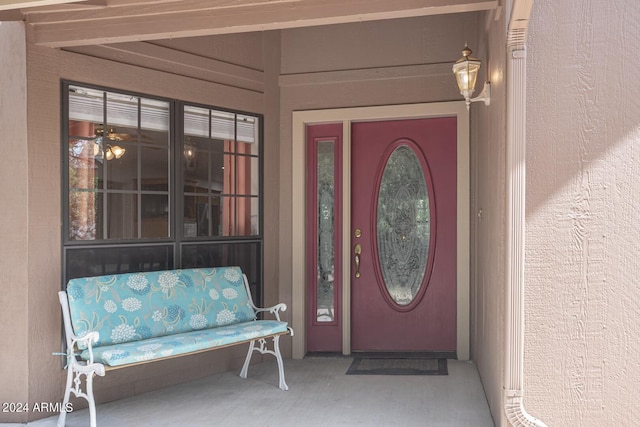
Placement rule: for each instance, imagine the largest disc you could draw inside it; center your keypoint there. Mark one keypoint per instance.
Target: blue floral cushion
(135, 306)
(154, 348)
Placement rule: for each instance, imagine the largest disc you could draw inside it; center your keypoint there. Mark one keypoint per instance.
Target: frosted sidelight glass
(326, 232)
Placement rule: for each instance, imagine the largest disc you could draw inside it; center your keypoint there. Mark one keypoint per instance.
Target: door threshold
(326, 355)
(405, 354)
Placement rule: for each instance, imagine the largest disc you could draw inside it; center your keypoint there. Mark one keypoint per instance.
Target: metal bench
(123, 320)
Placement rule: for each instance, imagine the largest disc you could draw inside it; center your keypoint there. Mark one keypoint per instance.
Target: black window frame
(105, 256)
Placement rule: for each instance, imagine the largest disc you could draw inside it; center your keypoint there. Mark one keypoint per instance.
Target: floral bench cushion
(173, 345)
(136, 306)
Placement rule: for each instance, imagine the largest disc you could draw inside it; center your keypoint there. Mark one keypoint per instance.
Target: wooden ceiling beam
(21, 4)
(140, 21)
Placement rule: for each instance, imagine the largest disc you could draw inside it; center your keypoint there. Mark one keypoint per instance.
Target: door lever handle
(357, 250)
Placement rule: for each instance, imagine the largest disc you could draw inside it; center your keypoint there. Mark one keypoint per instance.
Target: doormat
(389, 366)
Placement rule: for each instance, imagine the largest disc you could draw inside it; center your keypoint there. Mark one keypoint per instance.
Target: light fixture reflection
(107, 151)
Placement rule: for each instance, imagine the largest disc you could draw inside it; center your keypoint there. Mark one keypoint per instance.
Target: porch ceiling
(61, 23)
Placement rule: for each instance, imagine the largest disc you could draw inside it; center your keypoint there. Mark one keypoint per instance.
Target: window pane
(222, 125)
(325, 197)
(154, 122)
(197, 215)
(223, 174)
(227, 218)
(245, 255)
(154, 165)
(122, 216)
(403, 231)
(85, 209)
(255, 216)
(121, 160)
(230, 150)
(247, 175)
(247, 134)
(83, 262)
(155, 215)
(84, 171)
(196, 121)
(122, 112)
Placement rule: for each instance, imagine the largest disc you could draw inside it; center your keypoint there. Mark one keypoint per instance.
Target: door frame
(298, 259)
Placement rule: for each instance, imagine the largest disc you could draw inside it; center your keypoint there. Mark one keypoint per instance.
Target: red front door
(403, 237)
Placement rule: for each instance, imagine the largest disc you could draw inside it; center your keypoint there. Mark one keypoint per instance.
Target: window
(119, 175)
(153, 183)
(221, 185)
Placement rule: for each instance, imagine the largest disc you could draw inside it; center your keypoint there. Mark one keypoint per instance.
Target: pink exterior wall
(582, 271)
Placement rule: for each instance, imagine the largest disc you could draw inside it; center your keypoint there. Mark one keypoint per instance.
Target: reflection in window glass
(220, 173)
(119, 157)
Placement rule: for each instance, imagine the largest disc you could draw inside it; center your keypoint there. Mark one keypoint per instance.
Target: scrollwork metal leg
(245, 367)
(62, 418)
(90, 399)
(262, 349)
(276, 347)
(75, 371)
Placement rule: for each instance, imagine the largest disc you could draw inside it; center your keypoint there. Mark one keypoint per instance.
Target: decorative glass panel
(326, 268)
(403, 221)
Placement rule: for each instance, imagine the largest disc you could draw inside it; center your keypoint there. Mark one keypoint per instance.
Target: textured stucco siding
(583, 213)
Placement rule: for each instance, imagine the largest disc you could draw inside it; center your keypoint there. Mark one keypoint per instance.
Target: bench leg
(276, 346)
(74, 385)
(62, 419)
(92, 403)
(263, 350)
(245, 367)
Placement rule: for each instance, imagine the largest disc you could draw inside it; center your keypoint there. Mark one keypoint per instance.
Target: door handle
(357, 250)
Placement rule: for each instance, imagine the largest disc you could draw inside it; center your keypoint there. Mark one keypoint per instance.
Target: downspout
(516, 146)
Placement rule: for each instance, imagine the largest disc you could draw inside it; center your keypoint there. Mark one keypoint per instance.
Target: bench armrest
(72, 339)
(88, 340)
(275, 310)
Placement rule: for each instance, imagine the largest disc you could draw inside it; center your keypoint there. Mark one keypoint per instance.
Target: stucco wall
(14, 193)
(583, 213)
(31, 244)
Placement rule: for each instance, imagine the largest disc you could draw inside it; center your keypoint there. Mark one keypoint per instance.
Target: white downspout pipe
(516, 173)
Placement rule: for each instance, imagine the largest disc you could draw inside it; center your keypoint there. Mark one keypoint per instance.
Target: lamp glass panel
(466, 75)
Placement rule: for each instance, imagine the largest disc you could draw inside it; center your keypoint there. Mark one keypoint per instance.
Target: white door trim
(347, 116)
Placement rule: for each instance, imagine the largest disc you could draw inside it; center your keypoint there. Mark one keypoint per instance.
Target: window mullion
(105, 198)
(139, 170)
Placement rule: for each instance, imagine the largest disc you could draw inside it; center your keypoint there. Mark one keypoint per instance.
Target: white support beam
(514, 408)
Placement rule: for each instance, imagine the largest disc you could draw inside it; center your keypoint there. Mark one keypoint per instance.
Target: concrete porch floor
(320, 394)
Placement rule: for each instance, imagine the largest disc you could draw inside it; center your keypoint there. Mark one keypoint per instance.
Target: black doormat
(393, 366)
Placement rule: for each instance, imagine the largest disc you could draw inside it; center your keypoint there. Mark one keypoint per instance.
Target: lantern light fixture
(466, 71)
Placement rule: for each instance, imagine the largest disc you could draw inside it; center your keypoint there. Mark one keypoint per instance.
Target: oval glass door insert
(403, 225)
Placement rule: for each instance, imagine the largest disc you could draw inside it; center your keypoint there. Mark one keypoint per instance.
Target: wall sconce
(466, 71)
